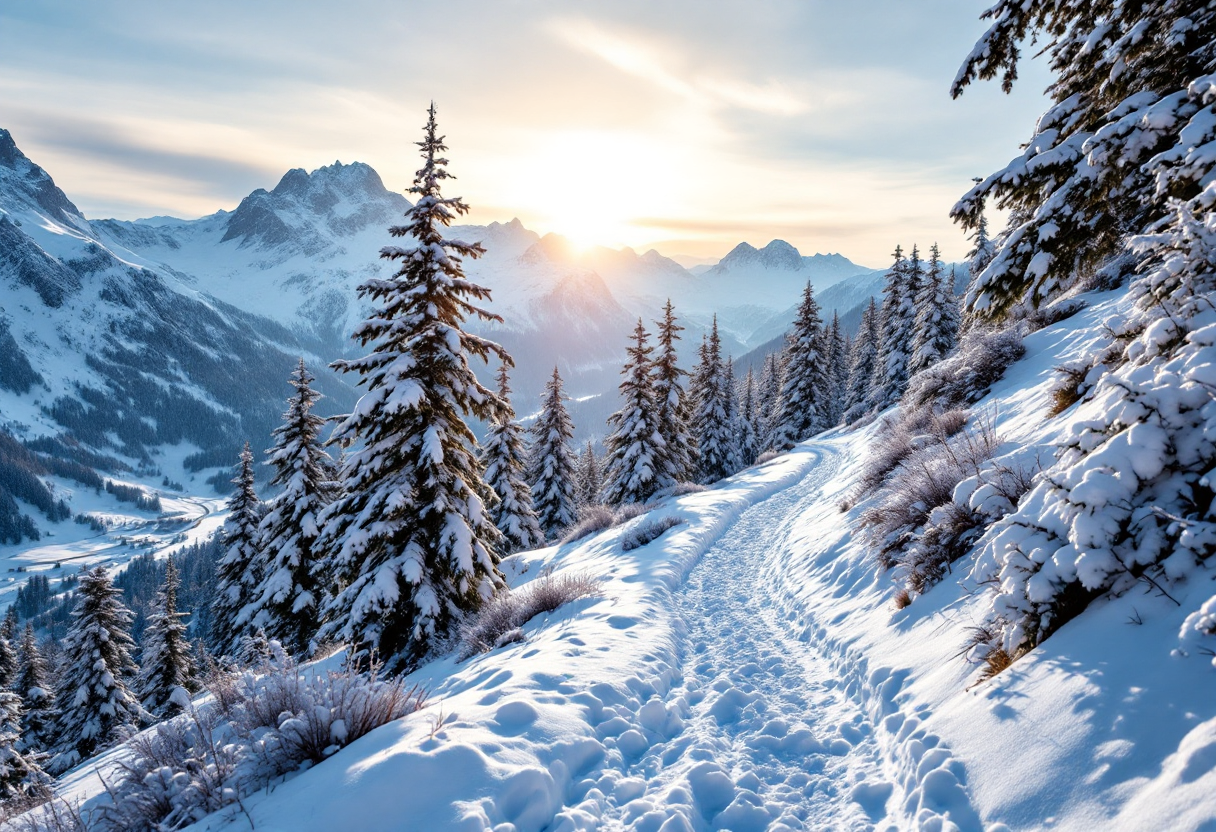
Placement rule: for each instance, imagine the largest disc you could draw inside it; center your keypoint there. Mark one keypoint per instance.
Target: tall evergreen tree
(675, 414)
(37, 695)
(637, 463)
(20, 775)
(898, 320)
(513, 513)
(551, 464)
(239, 571)
(768, 400)
(8, 630)
(99, 709)
(589, 477)
(805, 388)
(167, 661)
(8, 663)
(712, 422)
(288, 600)
(746, 419)
(838, 371)
(863, 361)
(733, 416)
(412, 540)
(936, 326)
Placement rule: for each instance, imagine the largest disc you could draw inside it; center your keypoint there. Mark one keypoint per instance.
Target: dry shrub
(966, 375)
(591, 519)
(596, 518)
(767, 456)
(208, 758)
(682, 488)
(499, 620)
(648, 532)
(902, 598)
(898, 438)
(924, 480)
(54, 815)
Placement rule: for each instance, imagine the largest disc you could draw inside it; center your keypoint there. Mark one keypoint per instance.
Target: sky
(682, 125)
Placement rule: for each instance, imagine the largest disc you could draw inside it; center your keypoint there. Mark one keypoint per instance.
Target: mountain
(102, 350)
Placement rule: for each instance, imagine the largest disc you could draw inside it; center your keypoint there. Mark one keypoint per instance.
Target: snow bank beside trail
(1100, 727)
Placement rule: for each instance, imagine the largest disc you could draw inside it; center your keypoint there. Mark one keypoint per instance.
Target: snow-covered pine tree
(288, 599)
(8, 663)
(675, 414)
(412, 540)
(746, 417)
(712, 424)
(589, 477)
(637, 463)
(1119, 178)
(167, 662)
(898, 320)
(20, 775)
(768, 401)
(730, 395)
(983, 248)
(805, 388)
(838, 370)
(8, 629)
(98, 707)
(551, 464)
(503, 455)
(862, 363)
(239, 571)
(37, 695)
(936, 328)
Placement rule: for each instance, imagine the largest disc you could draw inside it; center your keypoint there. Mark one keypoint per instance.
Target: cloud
(646, 58)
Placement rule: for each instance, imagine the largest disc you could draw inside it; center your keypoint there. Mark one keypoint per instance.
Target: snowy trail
(764, 737)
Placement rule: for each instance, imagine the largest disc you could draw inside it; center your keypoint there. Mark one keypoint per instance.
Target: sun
(591, 186)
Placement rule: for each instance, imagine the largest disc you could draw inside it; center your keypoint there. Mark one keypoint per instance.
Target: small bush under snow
(597, 518)
(265, 726)
(648, 531)
(965, 377)
(500, 619)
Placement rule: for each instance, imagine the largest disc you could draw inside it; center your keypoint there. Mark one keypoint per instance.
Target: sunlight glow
(588, 186)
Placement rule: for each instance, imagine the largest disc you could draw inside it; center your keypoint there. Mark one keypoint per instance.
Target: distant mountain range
(167, 342)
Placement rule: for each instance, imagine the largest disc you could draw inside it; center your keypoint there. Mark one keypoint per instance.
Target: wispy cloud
(665, 65)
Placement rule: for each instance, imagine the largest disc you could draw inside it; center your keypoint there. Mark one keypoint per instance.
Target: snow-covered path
(762, 736)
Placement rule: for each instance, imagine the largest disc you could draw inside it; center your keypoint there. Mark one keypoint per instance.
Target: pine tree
(551, 462)
(636, 466)
(898, 319)
(730, 395)
(936, 326)
(982, 249)
(288, 599)
(838, 371)
(768, 401)
(412, 540)
(589, 478)
(8, 630)
(504, 460)
(167, 663)
(37, 695)
(98, 707)
(239, 571)
(20, 775)
(804, 407)
(746, 419)
(712, 424)
(675, 415)
(863, 360)
(8, 664)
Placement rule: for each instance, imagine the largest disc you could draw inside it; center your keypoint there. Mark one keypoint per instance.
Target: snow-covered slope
(748, 670)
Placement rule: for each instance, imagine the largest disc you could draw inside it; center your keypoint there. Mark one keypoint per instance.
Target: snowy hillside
(749, 670)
